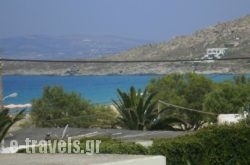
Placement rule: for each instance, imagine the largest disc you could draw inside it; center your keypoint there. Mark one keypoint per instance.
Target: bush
(181, 150)
(213, 145)
(209, 146)
(119, 147)
(226, 144)
(114, 146)
(57, 108)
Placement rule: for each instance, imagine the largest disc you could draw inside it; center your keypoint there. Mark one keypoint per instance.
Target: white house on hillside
(214, 53)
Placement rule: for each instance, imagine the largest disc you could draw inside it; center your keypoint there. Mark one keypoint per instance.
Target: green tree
(241, 79)
(137, 110)
(182, 89)
(58, 108)
(229, 96)
(245, 111)
(187, 90)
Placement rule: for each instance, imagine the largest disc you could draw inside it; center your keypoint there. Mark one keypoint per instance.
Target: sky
(152, 20)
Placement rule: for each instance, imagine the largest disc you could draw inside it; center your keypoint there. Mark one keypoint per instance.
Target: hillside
(233, 35)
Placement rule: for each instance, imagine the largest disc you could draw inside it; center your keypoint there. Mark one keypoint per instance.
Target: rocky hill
(234, 35)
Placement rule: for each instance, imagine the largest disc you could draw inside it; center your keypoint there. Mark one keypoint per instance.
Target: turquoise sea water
(97, 89)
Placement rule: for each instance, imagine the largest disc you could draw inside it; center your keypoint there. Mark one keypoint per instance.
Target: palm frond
(7, 122)
(135, 108)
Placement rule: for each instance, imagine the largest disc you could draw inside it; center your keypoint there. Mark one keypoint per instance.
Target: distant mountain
(234, 35)
(63, 47)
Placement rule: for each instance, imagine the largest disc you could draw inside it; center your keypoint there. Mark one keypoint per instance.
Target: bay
(97, 89)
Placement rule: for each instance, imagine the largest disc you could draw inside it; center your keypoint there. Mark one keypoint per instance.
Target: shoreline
(93, 98)
(125, 74)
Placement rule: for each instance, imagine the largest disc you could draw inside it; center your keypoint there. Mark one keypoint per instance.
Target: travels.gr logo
(59, 146)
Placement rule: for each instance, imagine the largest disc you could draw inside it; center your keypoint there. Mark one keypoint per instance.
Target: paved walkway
(39, 134)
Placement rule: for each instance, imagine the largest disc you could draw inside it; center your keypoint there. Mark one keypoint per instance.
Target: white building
(214, 53)
(231, 118)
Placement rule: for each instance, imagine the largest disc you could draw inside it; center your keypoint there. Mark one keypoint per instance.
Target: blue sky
(153, 20)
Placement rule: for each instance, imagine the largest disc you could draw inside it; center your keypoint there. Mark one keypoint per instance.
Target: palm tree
(137, 111)
(6, 121)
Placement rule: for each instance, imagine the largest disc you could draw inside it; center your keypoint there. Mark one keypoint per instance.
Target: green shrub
(212, 145)
(226, 144)
(119, 147)
(114, 146)
(223, 145)
(183, 150)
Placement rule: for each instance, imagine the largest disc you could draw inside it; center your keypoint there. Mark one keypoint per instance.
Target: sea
(98, 89)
